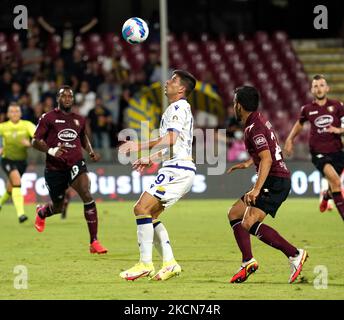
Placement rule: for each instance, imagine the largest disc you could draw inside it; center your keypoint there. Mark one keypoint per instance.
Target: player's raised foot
(246, 269)
(323, 205)
(296, 264)
(169, 269)
(139, 270)
(39, 222)
(22, 218)
(96, 247)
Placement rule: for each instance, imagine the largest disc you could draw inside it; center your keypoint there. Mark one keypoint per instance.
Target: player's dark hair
(248, 97)
(187, 80)
(62, 88)
(319, 77)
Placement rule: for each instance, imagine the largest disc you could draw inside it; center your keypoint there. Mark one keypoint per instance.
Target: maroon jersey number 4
(259, 136)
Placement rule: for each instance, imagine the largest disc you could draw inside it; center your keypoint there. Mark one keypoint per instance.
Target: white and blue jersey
(178, 117)
(176, 176)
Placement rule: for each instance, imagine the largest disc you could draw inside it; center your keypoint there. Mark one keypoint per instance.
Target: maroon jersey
(56, 128)
(259, 136)
(320, 118)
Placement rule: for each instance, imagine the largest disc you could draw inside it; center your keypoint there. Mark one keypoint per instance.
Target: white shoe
(169, 269)
(296, 264)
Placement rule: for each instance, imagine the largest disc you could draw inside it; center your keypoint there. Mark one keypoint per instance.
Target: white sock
(161, 236)
(145, 235)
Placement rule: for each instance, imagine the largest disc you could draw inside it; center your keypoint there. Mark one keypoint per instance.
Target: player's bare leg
(249, 265)
(7, 194)
(336, 188)
(66, 202)
(81, 185)
(252, 222)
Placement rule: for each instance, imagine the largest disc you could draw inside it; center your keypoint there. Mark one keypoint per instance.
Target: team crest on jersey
(77, 123)
(174, 118)
(330, 108)
(259, 140)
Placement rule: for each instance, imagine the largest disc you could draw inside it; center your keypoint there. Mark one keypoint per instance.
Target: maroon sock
(273, 239)
(90, 212)
(46, 211)
(242, 238)
(339, 201)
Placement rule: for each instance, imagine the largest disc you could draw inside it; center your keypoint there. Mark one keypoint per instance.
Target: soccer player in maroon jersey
(326, 117)
(270, 190)
(61, 135)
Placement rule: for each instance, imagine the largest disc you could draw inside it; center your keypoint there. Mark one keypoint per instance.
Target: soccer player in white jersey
(172, 182)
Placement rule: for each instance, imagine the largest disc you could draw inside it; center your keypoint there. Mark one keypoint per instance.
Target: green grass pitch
(60, 267)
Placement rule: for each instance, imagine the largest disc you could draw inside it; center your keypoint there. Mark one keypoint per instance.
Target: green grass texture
(59, 265)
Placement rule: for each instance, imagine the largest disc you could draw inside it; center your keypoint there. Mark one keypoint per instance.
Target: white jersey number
(278, 149)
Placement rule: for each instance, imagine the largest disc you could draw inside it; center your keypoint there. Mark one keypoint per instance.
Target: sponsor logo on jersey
(67, 135)
(174, 118)
(60, 121)
(259, 140)
(323, 121)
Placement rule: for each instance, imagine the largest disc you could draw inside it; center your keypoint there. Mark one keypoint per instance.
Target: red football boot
(39, 223)
(96, 247)
(245, 271)
(323, 205)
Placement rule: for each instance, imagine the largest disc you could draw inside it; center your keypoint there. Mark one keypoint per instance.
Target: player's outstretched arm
(289, 143)
(46, 26)
(162, 142)
(89, 25)
(144, 162)
(40, 145)
(241, 165)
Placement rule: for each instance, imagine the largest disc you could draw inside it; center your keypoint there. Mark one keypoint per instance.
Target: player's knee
(230, 214)
(247, 224)
(141, 209)
(233, 214)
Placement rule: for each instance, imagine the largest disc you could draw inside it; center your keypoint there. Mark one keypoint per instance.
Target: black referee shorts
(10, 165)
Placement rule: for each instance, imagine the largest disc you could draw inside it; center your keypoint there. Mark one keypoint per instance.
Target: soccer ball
(135, 30)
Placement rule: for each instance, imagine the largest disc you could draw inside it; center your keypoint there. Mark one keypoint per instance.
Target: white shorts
(171, 184)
